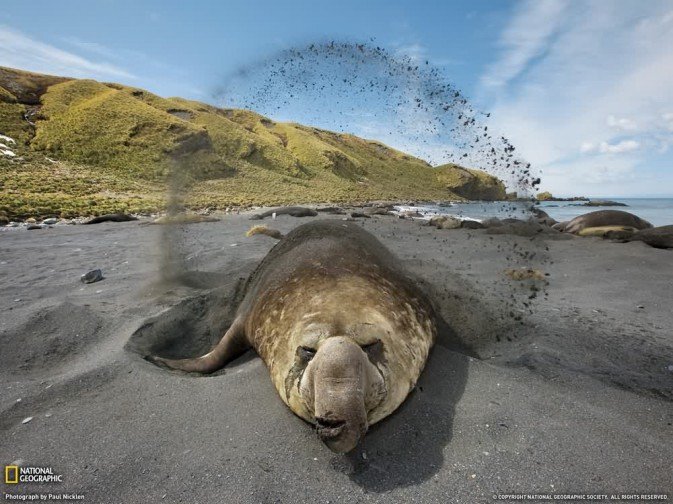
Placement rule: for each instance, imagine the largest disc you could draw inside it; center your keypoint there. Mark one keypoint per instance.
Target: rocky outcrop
(547, 196)
(603, 203)
(471, 184)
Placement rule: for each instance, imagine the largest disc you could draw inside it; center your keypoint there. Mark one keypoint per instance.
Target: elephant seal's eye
(374, 351)
(305, 353)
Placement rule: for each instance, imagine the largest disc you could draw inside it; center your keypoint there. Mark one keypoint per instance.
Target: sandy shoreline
(569, 389)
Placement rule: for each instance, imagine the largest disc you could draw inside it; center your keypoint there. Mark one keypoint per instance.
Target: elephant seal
(658, 237)
(607, 231)
(343, 330)
(445, 222)
(543, 217)
(603, 218)
(293, 211)
(183, 218)
(117, 217)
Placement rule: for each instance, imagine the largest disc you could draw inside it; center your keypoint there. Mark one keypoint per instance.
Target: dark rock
(602, 203)
(359, 214)
(92, 276)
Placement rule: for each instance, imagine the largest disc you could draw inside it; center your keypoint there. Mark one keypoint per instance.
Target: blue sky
(583, 88)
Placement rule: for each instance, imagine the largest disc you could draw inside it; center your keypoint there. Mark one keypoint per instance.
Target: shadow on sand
(407, 447)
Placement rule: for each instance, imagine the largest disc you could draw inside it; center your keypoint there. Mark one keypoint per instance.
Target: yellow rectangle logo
(11, 474)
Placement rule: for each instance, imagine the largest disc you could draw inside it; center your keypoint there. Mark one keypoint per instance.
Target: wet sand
(531, 388)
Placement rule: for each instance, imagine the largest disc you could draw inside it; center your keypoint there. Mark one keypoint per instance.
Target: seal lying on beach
(117, 217)
(608, 231)
(293, 211)
(658, 237)
(344, 332)
(602, 218)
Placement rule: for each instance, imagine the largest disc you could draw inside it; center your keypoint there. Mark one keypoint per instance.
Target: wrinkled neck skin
(343, 353)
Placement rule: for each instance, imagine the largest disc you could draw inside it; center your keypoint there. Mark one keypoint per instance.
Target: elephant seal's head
(340, 386)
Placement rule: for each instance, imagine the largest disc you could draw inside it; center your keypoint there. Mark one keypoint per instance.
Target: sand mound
(50, 339)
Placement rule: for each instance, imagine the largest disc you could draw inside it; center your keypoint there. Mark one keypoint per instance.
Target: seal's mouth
(328, 428)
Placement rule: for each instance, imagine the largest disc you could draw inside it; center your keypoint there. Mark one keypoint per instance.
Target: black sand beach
(531, 388)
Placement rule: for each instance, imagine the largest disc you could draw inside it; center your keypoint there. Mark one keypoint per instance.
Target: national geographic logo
(11, 474)
(17, 474)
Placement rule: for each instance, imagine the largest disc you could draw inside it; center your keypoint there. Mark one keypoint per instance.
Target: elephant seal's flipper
(232, 344)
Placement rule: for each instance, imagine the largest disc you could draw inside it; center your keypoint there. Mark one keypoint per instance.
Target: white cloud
(668, 120)
(524, 39)
(587, 147)
(619, 147)
(18, 50)
(608, 148)
(585, 74)
(623, 123)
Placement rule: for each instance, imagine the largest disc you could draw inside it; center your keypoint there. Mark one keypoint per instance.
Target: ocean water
(658, 211)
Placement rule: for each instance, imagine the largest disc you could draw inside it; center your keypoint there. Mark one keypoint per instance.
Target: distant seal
(542, 217)
(471, 224)
(293, 211)
(183, 218)
(380, 211)
(445, 222)
(608, 231)
(658, 237)
(117, 217)
(343, 330)
(603, 218)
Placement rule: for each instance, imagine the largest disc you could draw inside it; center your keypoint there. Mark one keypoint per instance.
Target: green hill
(86, 147)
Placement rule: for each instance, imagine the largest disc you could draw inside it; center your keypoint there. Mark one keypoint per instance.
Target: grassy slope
(469, 183)
(97, 147)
